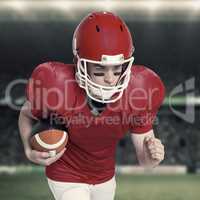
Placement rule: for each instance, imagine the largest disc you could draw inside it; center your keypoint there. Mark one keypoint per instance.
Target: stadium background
(166, 36)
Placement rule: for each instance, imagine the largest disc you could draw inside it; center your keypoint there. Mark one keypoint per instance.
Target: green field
(33, 186)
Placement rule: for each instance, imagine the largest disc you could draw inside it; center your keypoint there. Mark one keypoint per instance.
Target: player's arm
(25, 123)
(149, 150)
(36, 108)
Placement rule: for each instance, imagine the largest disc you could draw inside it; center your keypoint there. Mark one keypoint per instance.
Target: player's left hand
(154, 149)
(53, 159)
(42, 158)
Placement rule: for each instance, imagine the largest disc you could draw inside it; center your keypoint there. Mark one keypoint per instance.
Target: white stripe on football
(51, 146)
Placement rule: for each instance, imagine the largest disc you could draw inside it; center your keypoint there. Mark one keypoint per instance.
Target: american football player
(99, 98)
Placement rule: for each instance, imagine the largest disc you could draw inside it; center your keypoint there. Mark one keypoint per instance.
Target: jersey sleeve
(152, 92)
(143, 122)
(52, 89)
(36, 91)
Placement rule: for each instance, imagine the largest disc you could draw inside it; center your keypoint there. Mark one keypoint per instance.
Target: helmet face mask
(100, 93)
(118, 50)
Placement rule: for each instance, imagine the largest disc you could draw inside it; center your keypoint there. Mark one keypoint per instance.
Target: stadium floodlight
(145, 6)
(196, 5)
(17, 5)
(60, 5)
(151, 5)
(108, 5)
(154, 5)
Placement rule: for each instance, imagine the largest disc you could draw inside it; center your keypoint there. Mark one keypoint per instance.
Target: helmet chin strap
(101, 93)
(102, 97)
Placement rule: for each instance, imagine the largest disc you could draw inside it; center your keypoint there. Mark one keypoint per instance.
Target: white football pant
(83, 191)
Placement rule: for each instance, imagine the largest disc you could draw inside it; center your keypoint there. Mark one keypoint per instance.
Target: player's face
(104, 75)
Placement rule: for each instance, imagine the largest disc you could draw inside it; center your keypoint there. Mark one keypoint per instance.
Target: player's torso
(110, 125)
(69, 105)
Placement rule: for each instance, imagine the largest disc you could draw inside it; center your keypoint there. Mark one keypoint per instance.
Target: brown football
(52, 141)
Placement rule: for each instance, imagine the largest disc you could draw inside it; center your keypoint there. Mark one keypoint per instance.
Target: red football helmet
(102, 38)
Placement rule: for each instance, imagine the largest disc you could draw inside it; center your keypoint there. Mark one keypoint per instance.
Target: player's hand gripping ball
(48, 138)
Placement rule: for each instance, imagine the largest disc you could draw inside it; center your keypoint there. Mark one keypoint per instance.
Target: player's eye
(117, 73)
(98, 74)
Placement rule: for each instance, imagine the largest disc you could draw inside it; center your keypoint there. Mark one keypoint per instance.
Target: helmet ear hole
(97, 28)
(121, 28)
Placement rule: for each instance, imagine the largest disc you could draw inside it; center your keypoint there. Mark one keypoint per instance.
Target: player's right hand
(42, 158)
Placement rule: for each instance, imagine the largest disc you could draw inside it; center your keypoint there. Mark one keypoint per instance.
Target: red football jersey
(90, 155)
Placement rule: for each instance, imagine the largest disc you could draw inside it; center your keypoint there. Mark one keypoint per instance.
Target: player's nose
(109, 77)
